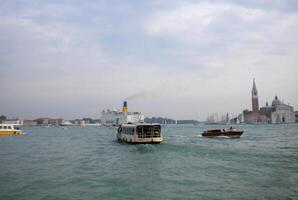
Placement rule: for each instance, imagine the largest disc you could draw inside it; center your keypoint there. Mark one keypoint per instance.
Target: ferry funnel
(125, 108)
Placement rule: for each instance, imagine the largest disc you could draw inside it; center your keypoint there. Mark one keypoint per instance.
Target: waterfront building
(80, 122)
(117, 117)
(60, 121)
(278, 112)
(12, 121)
(27, 122)
(42, 121)
(54, 122)
(281, 113)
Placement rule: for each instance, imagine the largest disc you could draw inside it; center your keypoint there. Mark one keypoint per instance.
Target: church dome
(276, 102)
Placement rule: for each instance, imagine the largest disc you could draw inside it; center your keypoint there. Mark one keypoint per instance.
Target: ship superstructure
(117, 117)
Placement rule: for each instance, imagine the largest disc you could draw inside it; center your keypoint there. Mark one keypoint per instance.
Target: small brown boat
(222, 132)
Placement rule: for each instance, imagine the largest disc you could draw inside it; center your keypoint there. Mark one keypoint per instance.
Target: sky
(182, 59)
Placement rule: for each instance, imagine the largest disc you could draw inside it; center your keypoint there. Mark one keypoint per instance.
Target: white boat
(67, 123)
(140, 133)
(10, 129)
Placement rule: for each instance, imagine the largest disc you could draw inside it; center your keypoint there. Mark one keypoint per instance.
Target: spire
(254, 88)
(254, 97)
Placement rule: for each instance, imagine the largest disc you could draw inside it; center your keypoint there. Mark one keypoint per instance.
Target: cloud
(228, 45)
(198, 58)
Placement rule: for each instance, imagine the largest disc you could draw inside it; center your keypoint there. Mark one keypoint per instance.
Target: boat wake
(223, 137)
(145, 148)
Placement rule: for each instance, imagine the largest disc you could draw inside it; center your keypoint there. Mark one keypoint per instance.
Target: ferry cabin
(140, 133)
(9, 129)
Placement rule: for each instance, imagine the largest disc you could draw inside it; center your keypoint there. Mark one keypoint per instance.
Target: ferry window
(9, 127)
(128, 130)
(139, 129)
(148, 129)
(156, 129)
(0, 127)
(140, 132)
(4, 127)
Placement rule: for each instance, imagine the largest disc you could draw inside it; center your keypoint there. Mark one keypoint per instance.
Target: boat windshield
(148, 131)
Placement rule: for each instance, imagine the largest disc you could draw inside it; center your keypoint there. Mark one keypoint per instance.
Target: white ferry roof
(140, 124)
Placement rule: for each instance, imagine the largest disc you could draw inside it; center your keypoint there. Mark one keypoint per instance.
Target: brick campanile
(254, 98)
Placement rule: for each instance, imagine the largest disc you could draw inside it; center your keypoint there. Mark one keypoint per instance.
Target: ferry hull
(151, 142)
(231, 134)
(10, 132)
(135, 140)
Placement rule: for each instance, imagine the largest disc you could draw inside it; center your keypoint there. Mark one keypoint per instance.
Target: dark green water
(87, 163)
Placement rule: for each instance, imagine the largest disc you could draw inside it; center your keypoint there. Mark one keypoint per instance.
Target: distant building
(187, 121)
(60, 121)
(12, 121)
(42, 121)
(278, 112)
(78, 122)
(160, 120)
(296, 116)
(29, 123)
(53, 122)
(97, 121)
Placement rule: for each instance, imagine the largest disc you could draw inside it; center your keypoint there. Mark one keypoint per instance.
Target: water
(87, 163)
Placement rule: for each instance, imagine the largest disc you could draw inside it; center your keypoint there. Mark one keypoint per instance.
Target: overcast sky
(174, 58)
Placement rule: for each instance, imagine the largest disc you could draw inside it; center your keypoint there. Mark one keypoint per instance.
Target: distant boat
(233, 133)
(67, 123)
(9, 129)
(96, 124)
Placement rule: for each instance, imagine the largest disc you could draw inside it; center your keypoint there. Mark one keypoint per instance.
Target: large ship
(117, 117)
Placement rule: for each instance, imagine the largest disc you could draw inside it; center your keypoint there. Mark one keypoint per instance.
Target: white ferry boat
(117, 117)
(9, 129)
(140, 133)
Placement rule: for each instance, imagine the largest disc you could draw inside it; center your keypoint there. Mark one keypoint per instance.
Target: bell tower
(254, 97)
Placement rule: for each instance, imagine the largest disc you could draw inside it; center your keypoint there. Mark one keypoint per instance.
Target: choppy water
(87, 163)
